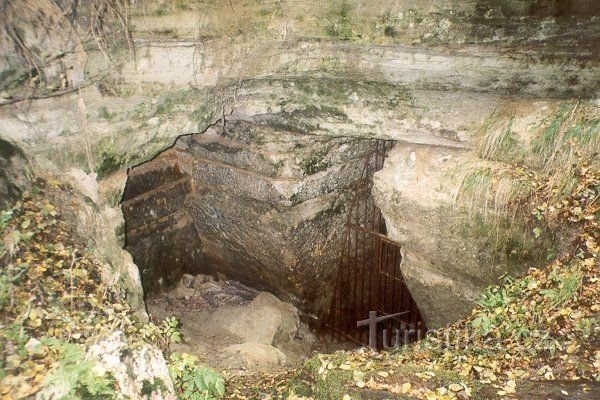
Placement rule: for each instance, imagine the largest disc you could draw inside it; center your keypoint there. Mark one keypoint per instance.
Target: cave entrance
(372, 305)
(237, 231)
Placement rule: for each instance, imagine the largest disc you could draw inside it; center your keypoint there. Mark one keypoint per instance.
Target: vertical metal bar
(394, 308)
(346, 279)
(379, 259)
(386, 275)
(372, 264)
(355, 280)
(364, 272)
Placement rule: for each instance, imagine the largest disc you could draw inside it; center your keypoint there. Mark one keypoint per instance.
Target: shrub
(194, 382)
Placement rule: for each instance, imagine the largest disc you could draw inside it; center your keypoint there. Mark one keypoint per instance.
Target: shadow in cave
(220, 221)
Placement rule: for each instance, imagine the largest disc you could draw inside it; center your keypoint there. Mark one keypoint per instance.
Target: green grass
(501, 181)
(497, 141)
(572, 125)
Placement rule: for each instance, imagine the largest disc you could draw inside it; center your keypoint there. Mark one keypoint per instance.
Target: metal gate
(369, 277)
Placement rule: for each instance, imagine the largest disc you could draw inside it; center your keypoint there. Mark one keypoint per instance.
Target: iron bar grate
(369, 276)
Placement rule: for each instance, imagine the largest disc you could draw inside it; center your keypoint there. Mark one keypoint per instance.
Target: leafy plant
(76, 378)
(194, 382)
(5, 217)
(170, 331)
(163, 335)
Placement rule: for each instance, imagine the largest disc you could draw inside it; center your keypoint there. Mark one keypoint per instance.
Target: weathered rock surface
(267, 320)
(287, 90)
(264, 205)
(132, 368)
(449, 254)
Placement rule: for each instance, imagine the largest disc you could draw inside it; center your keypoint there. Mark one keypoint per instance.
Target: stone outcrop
(450, 253)
(274, 100)
(260, 204)
(133, 370)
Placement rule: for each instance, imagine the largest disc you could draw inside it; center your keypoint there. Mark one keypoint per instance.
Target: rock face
(133, 370)
(273, 101)
(450, 254)
(159, 232)
(263, 205)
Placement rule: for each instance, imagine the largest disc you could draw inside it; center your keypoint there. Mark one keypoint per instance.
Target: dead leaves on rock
(53, 290)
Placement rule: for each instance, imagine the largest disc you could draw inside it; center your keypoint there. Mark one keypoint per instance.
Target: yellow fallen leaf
(345, 366)
(455, 387)
(406, 387)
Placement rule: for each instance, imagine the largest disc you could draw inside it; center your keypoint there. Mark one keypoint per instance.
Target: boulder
(134, 367)
(256, 356)
(267, 320)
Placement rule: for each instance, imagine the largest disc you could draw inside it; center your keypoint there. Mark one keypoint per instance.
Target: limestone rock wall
(273, 98)
(265, 206)
(450, 253)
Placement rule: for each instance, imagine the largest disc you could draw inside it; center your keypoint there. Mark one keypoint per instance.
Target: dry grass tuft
(505, 177)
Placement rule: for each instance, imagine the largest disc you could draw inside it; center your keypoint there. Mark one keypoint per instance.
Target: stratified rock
(449, 255)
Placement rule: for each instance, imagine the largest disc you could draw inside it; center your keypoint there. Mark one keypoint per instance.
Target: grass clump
(340, 22)
(506, 179)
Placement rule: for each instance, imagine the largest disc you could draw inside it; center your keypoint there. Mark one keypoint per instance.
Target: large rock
(450, 254)
(132, 367)
(254, 356)
(267, 320)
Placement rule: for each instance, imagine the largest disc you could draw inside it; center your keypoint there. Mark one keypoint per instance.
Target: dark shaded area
(542, 8)
(13, 173)
(159, 234)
